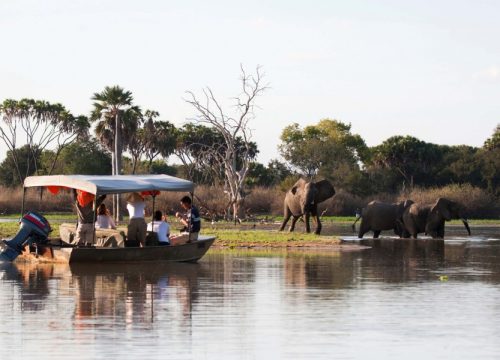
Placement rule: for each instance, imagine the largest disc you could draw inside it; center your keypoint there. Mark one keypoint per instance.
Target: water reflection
(261, 304)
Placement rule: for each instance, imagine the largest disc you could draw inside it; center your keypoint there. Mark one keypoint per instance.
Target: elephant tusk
(466, 224)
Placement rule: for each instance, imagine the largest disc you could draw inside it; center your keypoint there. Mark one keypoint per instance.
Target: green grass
(267, 238)
(8, 230)
(230, 237)
(48, 216)
(225, 238)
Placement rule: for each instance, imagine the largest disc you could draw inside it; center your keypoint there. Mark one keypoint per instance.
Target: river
(384, 302)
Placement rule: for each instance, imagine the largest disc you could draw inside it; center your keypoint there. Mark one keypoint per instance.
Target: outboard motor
(34, 228)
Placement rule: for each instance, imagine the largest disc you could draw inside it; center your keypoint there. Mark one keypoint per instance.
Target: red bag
(84, 198)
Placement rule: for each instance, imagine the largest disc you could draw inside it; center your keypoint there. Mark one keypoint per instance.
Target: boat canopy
(111, 184)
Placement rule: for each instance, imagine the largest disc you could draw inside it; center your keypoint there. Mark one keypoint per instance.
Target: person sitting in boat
(160, 227)
(191, 221)
(136, 230)
(104, 218)
(84, 204)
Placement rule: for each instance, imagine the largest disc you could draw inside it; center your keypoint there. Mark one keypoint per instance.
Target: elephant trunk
(466, 224)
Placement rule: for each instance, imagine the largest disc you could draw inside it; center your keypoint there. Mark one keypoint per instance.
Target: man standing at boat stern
(84, 204)
(191, 220)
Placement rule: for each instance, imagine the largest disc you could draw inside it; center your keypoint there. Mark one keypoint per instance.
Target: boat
(33, 243)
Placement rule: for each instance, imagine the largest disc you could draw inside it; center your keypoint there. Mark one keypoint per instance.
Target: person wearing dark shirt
(84, 204)
(191, 220)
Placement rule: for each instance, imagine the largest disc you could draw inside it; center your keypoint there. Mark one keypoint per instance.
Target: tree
(43, 125)
(490, 162)
(272, 175)
(115, 116)
(160, 139)
(238, 149)
(494, 141)
(328, 149)
(153, 139)
(82, 157)
(117, 119)
(414, 160)
(460, 164)
(22, 162)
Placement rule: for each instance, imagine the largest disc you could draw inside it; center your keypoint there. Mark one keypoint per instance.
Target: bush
(478, 202)
(212, 201)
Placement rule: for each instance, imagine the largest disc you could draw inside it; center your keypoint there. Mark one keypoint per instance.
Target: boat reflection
(130, 293)
(100, 295)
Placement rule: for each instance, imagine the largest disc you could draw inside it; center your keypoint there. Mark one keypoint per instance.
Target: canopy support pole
(190, 225)
(22, 204)
(153, 214)
(94, 208)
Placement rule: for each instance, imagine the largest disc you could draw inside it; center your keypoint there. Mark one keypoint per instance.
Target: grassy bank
(246, 234)
(270, 238)
(261, 219)
(230, 238)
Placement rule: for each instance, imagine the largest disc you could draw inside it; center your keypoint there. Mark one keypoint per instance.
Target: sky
(430, 69)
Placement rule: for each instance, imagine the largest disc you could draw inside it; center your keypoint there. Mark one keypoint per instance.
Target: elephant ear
(403, 205)
(443, 207)
(324, 190)
(297, 186)
(408, 203)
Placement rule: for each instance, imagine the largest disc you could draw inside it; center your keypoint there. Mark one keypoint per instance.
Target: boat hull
(190, 252)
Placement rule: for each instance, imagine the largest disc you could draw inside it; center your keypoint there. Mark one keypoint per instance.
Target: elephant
(303, 199)
(430, 219)
(378, 216)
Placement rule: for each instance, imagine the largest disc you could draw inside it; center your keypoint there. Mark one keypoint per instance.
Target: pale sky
(430, 69)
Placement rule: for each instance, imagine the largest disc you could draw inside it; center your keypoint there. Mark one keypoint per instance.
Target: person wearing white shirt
(104, 219)
(136, 230)
(161, 228)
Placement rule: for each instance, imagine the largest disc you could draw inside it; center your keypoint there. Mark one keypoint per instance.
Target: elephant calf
(430, 219)
(378, 216)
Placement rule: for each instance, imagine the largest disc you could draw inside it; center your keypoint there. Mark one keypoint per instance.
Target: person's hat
(134, 197)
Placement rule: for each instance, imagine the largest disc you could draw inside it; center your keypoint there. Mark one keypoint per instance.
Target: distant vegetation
(216, 150)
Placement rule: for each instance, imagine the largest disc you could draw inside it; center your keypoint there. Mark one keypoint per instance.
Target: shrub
(478, 202)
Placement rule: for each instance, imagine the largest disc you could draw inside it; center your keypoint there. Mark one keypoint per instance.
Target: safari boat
(32, 241)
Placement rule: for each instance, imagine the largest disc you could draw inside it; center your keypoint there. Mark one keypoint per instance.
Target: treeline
(44, 138)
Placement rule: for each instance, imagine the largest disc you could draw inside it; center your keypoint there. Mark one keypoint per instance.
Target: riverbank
(230, 238)
(257, 234)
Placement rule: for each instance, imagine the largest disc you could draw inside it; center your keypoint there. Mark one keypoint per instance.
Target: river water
(386, 302)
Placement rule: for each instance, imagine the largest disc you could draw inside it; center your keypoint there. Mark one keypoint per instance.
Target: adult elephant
(303, 199)
(378, 216)
(430, 219)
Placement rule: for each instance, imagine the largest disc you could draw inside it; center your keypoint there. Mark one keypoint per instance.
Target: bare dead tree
(237, 155)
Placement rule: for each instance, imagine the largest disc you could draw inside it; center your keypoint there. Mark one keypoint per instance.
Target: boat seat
(104, 237)
(152, 239)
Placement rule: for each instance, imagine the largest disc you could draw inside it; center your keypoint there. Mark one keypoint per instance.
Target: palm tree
(108, 106)
(115, 116)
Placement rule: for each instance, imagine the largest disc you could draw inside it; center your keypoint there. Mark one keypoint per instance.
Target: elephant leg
(294, 221)
(318, 225)
(399, 229)
(362, 230)
(285, 218)
(306, 220)
(440, 231)
(376, 233)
